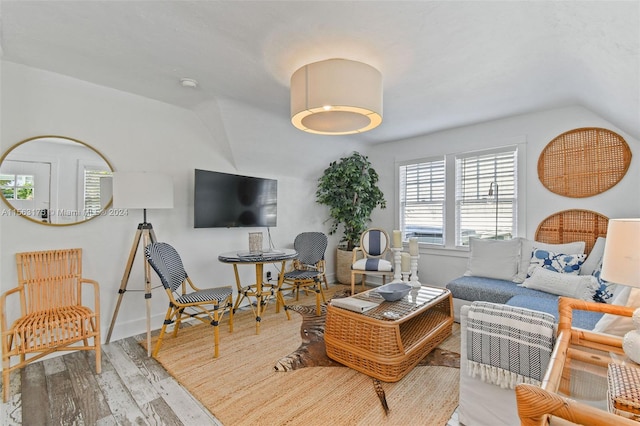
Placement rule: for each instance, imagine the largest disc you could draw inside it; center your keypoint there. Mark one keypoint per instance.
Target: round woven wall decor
(572, 225)
(584, 162)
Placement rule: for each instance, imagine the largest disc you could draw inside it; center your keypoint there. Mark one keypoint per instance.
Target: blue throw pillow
(556, 262)
(604, 293)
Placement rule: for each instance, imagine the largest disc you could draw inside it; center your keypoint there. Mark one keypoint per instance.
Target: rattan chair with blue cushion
(371, 257)
(207, 305)
(308, 271)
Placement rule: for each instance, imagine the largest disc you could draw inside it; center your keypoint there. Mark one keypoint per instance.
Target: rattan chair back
(52, 316)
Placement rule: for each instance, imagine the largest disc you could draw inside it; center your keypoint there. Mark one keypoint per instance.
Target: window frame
(519, 144)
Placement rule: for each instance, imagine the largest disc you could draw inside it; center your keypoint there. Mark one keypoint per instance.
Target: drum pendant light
(336, 97)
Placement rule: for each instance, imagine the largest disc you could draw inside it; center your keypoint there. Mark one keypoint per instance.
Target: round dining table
(259, 290)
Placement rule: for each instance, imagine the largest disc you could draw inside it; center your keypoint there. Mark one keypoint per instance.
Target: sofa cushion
(581, 319)
(528, 246)
(494, 258)
(556, 262)
(577, 286)
(606, 291)
(594, 258)
(490, 290)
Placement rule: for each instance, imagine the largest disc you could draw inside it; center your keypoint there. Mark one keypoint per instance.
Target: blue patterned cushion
(557, 262)
(605, 293)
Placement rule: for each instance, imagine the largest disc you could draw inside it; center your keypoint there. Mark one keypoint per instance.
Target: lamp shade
(142, 190)
(336, 97)
(621, 258)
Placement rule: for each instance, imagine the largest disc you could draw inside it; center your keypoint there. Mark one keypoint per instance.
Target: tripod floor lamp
(140, 190)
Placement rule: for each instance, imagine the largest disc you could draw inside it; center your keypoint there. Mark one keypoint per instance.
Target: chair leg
(216, 331)
(5, 379)
(178, 322)
(230, 308)
(167, 320)
(98, 348)
(353, 283)
(318, 292)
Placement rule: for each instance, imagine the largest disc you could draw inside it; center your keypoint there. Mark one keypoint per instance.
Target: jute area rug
(244, 387)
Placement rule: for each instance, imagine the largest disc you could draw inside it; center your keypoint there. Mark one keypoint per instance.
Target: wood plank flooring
(133, 389)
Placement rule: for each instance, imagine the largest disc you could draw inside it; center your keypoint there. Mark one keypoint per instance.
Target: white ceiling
(445, 63)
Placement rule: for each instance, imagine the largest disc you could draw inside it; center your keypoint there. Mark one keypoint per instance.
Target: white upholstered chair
(371, 257)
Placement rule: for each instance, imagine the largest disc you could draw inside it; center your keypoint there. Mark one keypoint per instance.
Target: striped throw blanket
(507, 345)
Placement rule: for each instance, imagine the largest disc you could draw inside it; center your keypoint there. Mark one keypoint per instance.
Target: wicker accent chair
(371, 257)
(206, 305)
(51, 315)
(537, 404)
(308, 271)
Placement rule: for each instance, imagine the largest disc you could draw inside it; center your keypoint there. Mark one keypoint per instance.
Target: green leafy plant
(349, 188)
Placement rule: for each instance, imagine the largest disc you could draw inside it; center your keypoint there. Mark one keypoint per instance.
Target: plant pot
(343, 266)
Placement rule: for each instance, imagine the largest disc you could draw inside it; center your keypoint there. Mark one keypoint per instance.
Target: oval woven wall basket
(584, 162)
(573, 225)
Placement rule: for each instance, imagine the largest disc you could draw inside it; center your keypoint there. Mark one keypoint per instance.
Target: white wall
(139, 134)
(536, 130)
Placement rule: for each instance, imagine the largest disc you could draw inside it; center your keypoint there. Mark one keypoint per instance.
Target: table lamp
(140, 190)
(621, 265)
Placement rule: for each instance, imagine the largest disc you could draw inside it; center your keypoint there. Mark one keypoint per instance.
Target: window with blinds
(486, 195)
(422, 198)
(482, 191)
(92, 200)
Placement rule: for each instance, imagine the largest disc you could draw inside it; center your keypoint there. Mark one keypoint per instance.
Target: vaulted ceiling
(445, 63)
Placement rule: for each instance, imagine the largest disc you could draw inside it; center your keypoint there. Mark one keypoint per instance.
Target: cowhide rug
(312, 351)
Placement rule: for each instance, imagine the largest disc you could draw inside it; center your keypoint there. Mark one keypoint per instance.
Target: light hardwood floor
(133, 389)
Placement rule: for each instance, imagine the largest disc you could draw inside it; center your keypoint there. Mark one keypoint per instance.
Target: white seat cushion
(380, 265)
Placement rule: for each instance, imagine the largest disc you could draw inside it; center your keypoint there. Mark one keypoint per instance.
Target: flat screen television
(223, 200)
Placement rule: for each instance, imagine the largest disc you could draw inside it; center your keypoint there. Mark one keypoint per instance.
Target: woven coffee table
(384, 348)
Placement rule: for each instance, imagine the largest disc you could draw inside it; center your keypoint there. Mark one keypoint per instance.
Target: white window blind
(422, 198)
(486, 195)
(92, 201)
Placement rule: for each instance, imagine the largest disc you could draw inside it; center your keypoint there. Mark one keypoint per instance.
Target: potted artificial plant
(349, 188)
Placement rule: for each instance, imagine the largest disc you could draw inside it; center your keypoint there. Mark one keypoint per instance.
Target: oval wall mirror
(55, 180)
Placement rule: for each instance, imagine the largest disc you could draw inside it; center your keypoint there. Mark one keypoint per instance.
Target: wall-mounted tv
(223, 200)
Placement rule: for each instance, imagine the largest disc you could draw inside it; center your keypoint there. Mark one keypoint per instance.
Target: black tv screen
(223, 200)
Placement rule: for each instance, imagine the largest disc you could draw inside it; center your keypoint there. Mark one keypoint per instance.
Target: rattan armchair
(51, 316)
(537, 404)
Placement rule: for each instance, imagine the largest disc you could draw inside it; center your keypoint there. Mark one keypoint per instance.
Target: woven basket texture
(624, 390)
(573, 225)
(584, 162)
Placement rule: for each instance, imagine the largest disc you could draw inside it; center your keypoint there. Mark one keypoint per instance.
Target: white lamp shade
(142, 190)
(336, 97)
(621, 258)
